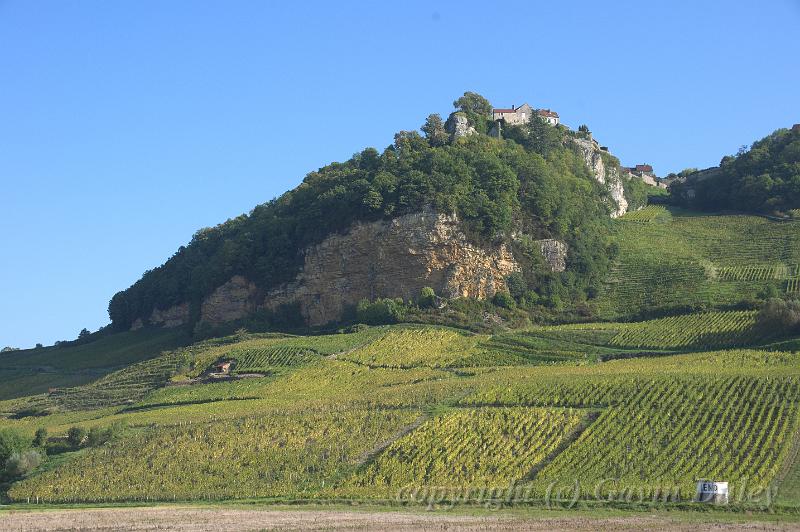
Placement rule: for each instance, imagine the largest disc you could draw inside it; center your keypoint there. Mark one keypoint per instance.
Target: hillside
(487, 314)
(762, 178)
(458, 210)
(361, 415)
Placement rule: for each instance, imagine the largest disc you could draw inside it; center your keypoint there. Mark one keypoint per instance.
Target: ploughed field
(637, 411)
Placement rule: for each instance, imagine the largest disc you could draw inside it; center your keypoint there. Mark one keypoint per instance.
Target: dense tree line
(531, 183)
(765, 178)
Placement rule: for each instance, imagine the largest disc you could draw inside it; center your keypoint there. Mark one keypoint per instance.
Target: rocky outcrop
(172, 317)
(608, 176)
(233, 300)
(394, 258)
(554, 253)
(458, 126)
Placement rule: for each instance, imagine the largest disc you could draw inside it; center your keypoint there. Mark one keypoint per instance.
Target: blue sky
(126, 126)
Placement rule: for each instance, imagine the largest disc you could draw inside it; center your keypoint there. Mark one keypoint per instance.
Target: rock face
(234, 300)
(394, 258)
(458, 126)
(607, 176)
(554, 253)
(172, 317)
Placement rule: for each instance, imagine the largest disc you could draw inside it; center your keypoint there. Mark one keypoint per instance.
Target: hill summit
(482, 197)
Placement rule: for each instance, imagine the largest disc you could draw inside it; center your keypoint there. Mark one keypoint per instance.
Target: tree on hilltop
(472, 102)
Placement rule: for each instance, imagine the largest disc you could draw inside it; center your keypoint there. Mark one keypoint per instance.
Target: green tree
(504, 300)
(12, 441)
(23, 462)
(40, 439)
(427, 298)
(472, 102)
(76, 436)
(434, 130)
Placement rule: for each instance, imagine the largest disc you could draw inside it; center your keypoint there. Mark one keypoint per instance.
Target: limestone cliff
(393, 259)
(458, 126)
(171, 317)
(605, 175)
(233, 300)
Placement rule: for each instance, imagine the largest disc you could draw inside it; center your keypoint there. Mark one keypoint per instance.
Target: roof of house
(504, 110)
(547, 112)
(644, 168)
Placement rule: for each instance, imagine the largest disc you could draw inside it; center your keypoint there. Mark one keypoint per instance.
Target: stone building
(515, 115)
(523, 113)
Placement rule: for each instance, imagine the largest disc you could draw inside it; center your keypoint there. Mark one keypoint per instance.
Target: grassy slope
(33, 371)
(669, 258)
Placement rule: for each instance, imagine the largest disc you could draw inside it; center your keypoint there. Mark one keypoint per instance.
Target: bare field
(225, 519)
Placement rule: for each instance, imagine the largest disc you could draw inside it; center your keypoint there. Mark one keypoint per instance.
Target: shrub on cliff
(380, 311)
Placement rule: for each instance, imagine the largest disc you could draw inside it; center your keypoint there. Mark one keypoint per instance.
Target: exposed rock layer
(554, 253)
(172, 317)
(608, 176)
(394, 258)
(233, 300)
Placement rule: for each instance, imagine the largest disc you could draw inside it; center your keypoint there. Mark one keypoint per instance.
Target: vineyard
(686, 261)
(265, 358)
(650, 213)
(702, 330)
(485, 447)
(274, 454)
(649, 403)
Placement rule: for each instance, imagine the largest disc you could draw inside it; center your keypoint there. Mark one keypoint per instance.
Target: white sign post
(713, 492)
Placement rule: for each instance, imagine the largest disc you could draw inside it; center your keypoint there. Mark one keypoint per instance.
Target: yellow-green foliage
(651, 213)
(703, 330)
(674, 431)
(694, 330)
(316, 430)
(275, 454)
(412, 347)
(473, 447)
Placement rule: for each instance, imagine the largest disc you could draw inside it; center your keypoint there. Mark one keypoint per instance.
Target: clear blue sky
(125, 126)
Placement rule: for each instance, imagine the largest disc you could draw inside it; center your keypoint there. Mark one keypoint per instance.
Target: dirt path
(224, 519)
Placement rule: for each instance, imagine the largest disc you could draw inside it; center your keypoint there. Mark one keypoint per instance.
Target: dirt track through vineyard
(223, 520)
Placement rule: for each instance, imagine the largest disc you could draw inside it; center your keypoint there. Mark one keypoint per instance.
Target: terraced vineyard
(650, 213)
(793, 286)
(264, 358)
(703, 330)
(414, 347)
(755, 273)
(731, 428)
(686, 261)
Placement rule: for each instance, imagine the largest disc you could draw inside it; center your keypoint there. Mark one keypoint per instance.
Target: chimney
(512, 107)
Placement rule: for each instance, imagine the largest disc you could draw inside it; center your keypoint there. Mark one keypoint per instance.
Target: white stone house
(551, 117)
(523, 113)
